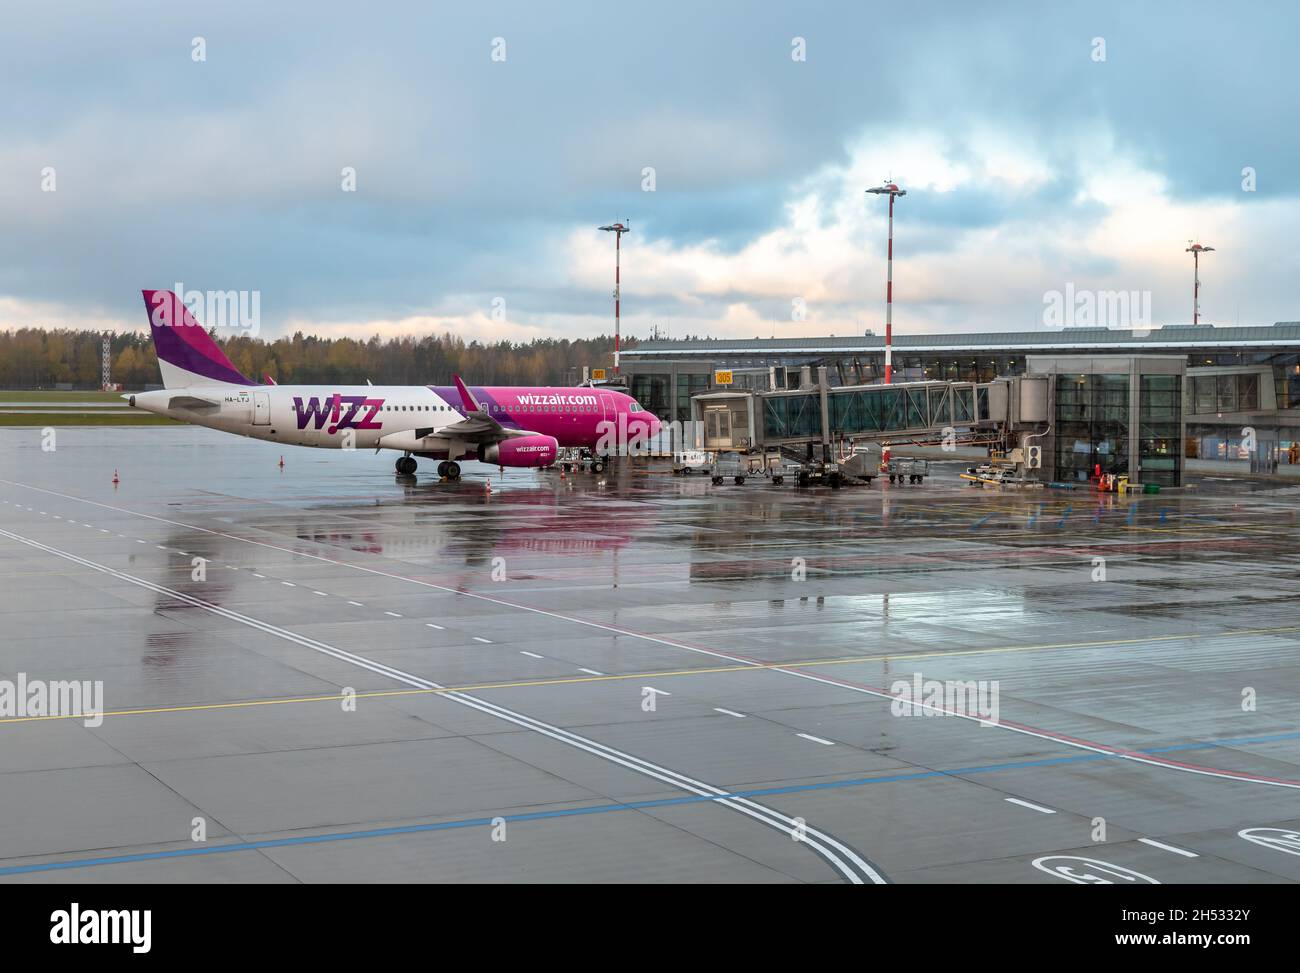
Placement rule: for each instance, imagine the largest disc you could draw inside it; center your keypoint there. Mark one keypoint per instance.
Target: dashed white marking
(394, 614)
(178, 550)
(809, 736)
(288, 584)
(321, 593)
(480, 639)
(532, 655)
(1032, 807)
(138, 541)
(256, 575)
(590, 672)
(357, 604)
(719, 709)
(431, 625)
(1177, 851)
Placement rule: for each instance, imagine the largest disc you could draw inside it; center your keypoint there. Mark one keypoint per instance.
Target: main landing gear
(449, 470)
(406, 465)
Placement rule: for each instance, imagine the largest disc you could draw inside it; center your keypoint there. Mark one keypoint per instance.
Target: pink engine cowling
(521, 451)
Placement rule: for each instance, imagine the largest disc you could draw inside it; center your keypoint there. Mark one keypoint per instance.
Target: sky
(1043, 146)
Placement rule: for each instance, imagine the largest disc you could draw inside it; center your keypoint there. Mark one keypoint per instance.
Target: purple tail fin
(187, 355)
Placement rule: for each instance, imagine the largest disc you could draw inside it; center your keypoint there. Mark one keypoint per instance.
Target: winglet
(466, 396)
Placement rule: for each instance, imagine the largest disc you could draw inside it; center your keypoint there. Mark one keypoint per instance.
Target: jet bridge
(1006, 412)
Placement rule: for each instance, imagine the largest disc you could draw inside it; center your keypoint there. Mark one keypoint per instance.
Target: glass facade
(1224, 393)
(688, 385)
(652, 391)
(1092, 425)
(1159, 429)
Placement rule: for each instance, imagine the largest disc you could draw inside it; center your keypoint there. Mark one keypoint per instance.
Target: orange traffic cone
(281, 462)
(487, 487)
(116, 481)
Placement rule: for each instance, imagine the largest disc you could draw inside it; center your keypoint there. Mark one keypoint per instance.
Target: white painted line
(658, 692)
(431, 625)
(533, 655)
(394, 614)
(719, 709)
(256, 575)
(590, 672)
(138, 541)
(105, 530)
(288, 584)
(1177, 851)
(480, 639)
(1032, 807)
(814, 739)
(159, 546)
(357, 603)
(321, 593)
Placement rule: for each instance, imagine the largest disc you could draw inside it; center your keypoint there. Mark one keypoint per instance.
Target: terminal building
(1232, 383)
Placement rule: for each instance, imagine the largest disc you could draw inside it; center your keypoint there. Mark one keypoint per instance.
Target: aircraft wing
(478, 426)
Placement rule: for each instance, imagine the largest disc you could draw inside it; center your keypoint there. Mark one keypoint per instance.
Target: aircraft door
(261, 408)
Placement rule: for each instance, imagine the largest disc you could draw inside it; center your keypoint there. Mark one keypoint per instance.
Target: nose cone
(643, 424)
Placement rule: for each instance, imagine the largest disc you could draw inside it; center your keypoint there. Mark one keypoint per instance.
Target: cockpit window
(634, 407)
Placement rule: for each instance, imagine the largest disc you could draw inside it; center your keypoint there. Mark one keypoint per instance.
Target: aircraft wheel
(406, 465)
(740, 481)
(442, 468)
(597, 466)
(717, 481)
(778, 479)
(453, 471)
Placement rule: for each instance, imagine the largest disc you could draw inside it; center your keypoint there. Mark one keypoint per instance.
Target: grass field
(39, 409)
(88, 396)
(71, 418)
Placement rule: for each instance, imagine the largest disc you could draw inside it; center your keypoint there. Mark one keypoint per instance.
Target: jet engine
(521, 451)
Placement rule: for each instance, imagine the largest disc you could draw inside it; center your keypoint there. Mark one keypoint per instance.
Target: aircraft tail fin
(187, 355)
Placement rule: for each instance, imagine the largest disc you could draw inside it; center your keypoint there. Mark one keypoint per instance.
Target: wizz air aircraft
(503, 426)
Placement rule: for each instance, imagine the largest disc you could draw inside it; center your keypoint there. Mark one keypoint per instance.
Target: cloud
(1028, 163)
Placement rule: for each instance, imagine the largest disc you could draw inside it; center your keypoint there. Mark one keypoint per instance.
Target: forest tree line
(34, 358)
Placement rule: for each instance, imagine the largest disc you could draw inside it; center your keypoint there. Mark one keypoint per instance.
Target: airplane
(499, 425)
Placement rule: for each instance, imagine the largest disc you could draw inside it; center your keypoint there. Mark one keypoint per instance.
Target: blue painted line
(631, 806)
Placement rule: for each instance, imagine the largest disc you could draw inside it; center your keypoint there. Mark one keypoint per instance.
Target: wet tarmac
(328, 673)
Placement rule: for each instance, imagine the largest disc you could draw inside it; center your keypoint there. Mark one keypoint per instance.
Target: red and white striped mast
(1196, 250)
(618, 229)
(891, 190)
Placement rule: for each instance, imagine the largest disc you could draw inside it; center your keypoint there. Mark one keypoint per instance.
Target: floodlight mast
(618, 229)
(1196, 250)
(892, 191)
